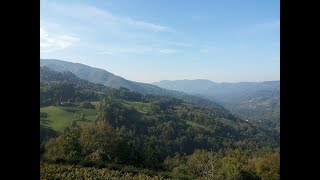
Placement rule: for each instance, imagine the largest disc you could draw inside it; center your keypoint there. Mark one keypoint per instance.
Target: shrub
(87, 105)
(43, 115)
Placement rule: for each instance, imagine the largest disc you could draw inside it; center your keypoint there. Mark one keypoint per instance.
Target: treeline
(231, 164)
(100, 144)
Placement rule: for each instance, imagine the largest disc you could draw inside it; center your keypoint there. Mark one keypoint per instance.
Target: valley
(144, 131)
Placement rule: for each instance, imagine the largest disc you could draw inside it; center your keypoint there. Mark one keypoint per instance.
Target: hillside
(255, 101)
(99, 76)
(56, 88)
(92, 125)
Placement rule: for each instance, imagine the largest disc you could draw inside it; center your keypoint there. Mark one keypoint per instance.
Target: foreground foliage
(232, 164)
(58, 171)
(99, 144)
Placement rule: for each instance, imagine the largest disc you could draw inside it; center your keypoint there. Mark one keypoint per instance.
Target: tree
(150, 156)
(66, 146)
(177, 165)
(82, 117)
(268, 166)
(234, 164)
(109, 110)
(98, 141)
(204, 163)
(175, 161)
(63, 91)
(86, 105)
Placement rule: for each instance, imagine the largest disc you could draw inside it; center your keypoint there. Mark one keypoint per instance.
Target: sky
(152, 40)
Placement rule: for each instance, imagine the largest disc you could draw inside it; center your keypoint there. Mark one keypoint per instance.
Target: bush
(268, 166)
(87, 163)
(66, 104)
(43, 115)
(130, 169)
(173, 162)
(114, 166)
(56, 171)
(234, 165)
(87, 105)
(203, 163)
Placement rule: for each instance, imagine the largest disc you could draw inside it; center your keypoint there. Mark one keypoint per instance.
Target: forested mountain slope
(255, 101)
(94, 125)
(106, 78)
(57, 88)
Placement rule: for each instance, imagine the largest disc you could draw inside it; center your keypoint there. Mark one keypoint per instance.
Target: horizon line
(221, 82)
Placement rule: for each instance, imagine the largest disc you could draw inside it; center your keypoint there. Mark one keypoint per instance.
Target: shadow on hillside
(45, 121)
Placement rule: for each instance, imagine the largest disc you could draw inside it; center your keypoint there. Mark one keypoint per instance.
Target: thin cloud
(261, 27)
(110, 51)
(100, 16)
(146, 25)
(52, 41)
(137, 50)
(129, 35)
(105, 52)
(181, 44)
(266, 25)
(167, 51)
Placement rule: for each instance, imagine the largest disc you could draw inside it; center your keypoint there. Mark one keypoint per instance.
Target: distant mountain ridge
(257, 101)
(207, 86)
(100, 76)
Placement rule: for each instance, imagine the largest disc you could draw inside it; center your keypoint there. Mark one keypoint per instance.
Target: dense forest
(91, 130)
(257, 102)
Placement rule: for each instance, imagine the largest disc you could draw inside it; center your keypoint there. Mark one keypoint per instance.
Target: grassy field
(61, 117)
(139, 106)
(58, 118)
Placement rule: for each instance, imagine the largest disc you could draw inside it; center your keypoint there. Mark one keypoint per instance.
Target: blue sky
(152, 40)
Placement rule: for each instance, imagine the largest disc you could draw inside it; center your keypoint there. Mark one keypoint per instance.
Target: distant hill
(143, 114)
(100, 76)
(255, 101)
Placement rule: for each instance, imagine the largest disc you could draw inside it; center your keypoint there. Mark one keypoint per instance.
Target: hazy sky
(152, 40)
